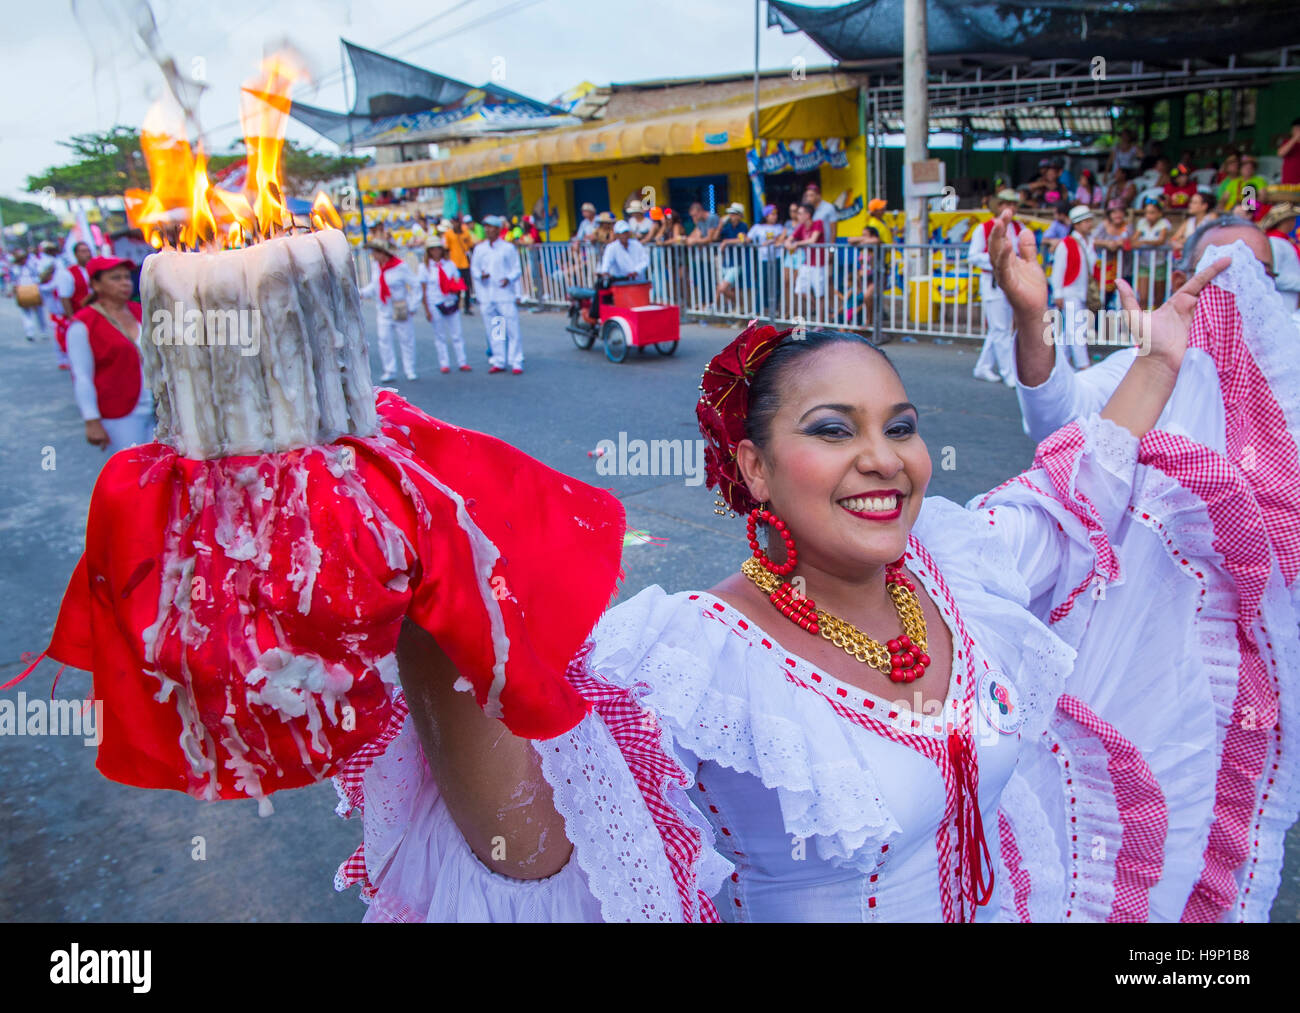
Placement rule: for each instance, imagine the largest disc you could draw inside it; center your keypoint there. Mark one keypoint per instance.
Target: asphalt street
(77, 847)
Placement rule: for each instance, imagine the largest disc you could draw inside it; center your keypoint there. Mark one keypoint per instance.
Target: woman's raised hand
(1016, 270)
(1161, 338)
(1162, 335)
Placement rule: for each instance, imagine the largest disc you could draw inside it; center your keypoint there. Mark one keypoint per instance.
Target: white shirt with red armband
(1072, 264)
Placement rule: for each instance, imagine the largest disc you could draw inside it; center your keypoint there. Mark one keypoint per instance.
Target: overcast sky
(69, 68)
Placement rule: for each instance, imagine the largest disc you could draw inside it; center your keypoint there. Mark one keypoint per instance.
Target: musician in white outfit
(441, 283)
(27, 271)
(1072, 264)
(54, 280)
(397, 292)
(496, 268)
(997, 360)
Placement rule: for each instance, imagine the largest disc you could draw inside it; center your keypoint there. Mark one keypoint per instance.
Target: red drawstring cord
(26, 672)
(972, 845)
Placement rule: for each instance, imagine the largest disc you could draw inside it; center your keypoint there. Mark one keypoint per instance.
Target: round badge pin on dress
(999, 702)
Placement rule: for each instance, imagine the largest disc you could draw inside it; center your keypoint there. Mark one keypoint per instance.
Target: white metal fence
(885, 289)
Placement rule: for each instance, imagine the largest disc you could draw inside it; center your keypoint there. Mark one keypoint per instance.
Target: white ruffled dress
(1125, 655)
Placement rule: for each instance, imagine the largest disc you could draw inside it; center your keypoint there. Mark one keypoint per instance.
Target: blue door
(594, 189)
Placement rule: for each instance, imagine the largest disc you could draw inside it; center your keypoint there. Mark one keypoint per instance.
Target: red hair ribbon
(724, 405)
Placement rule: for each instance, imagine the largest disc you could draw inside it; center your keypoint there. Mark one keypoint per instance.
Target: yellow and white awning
(820, 107)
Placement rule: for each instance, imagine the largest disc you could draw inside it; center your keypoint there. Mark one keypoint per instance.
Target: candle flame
(323, 215)
(170, 161)
(264, 114)
(182, 208)
(202, 228)
(238, 208)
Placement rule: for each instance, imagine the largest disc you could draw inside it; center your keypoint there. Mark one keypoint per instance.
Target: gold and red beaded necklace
(902, 659)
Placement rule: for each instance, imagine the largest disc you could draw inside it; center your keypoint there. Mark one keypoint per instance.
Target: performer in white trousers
(396, 290)
(997, 359)
(1072, 265)
(496, 268)
(27, 272)
(55, 283)
(442, 285)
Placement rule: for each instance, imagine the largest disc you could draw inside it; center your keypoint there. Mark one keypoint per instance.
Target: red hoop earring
(791, 554)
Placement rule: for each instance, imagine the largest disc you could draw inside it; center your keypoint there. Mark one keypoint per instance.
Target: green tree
(14, 211)
(105, 165)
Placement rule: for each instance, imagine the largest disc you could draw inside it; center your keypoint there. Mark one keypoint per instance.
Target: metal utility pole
(758, 144)
(757, 7)
(916, 110)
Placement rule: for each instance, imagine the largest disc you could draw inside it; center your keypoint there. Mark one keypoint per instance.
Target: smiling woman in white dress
(946, 735)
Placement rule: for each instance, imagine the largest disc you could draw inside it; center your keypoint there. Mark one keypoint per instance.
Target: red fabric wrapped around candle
(240, 614)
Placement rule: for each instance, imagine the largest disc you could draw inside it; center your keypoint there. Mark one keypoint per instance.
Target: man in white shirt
(497, 271)
(49, 267)
(1072, 264)
(1052, 394)
(397, 292)
(625, 259)
(997, 359)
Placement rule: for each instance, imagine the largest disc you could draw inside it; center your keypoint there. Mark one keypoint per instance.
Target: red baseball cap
(98, 265)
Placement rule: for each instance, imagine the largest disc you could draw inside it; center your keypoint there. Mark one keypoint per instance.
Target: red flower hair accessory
(724, 406)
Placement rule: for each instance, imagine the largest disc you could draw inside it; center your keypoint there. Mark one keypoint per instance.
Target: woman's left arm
(1058, 519)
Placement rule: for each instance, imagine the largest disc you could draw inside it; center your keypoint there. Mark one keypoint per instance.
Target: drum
(28, 296)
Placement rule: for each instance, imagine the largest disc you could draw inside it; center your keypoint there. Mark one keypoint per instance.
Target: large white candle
(257, 350)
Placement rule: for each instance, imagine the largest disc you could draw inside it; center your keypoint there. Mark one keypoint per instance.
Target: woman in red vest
(107, 376)
(73, 290)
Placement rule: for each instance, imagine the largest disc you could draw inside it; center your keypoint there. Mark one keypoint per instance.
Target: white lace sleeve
(415, 864)
(1058, 518)
(605, 816)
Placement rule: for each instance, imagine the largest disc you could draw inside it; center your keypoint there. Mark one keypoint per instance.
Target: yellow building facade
(707, 132)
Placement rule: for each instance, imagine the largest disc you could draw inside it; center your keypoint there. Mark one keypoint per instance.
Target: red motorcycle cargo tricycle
(626, 316)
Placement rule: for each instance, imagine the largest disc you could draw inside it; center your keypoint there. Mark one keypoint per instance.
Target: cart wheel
(583, 333)
(665, 347)
(617, 335)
